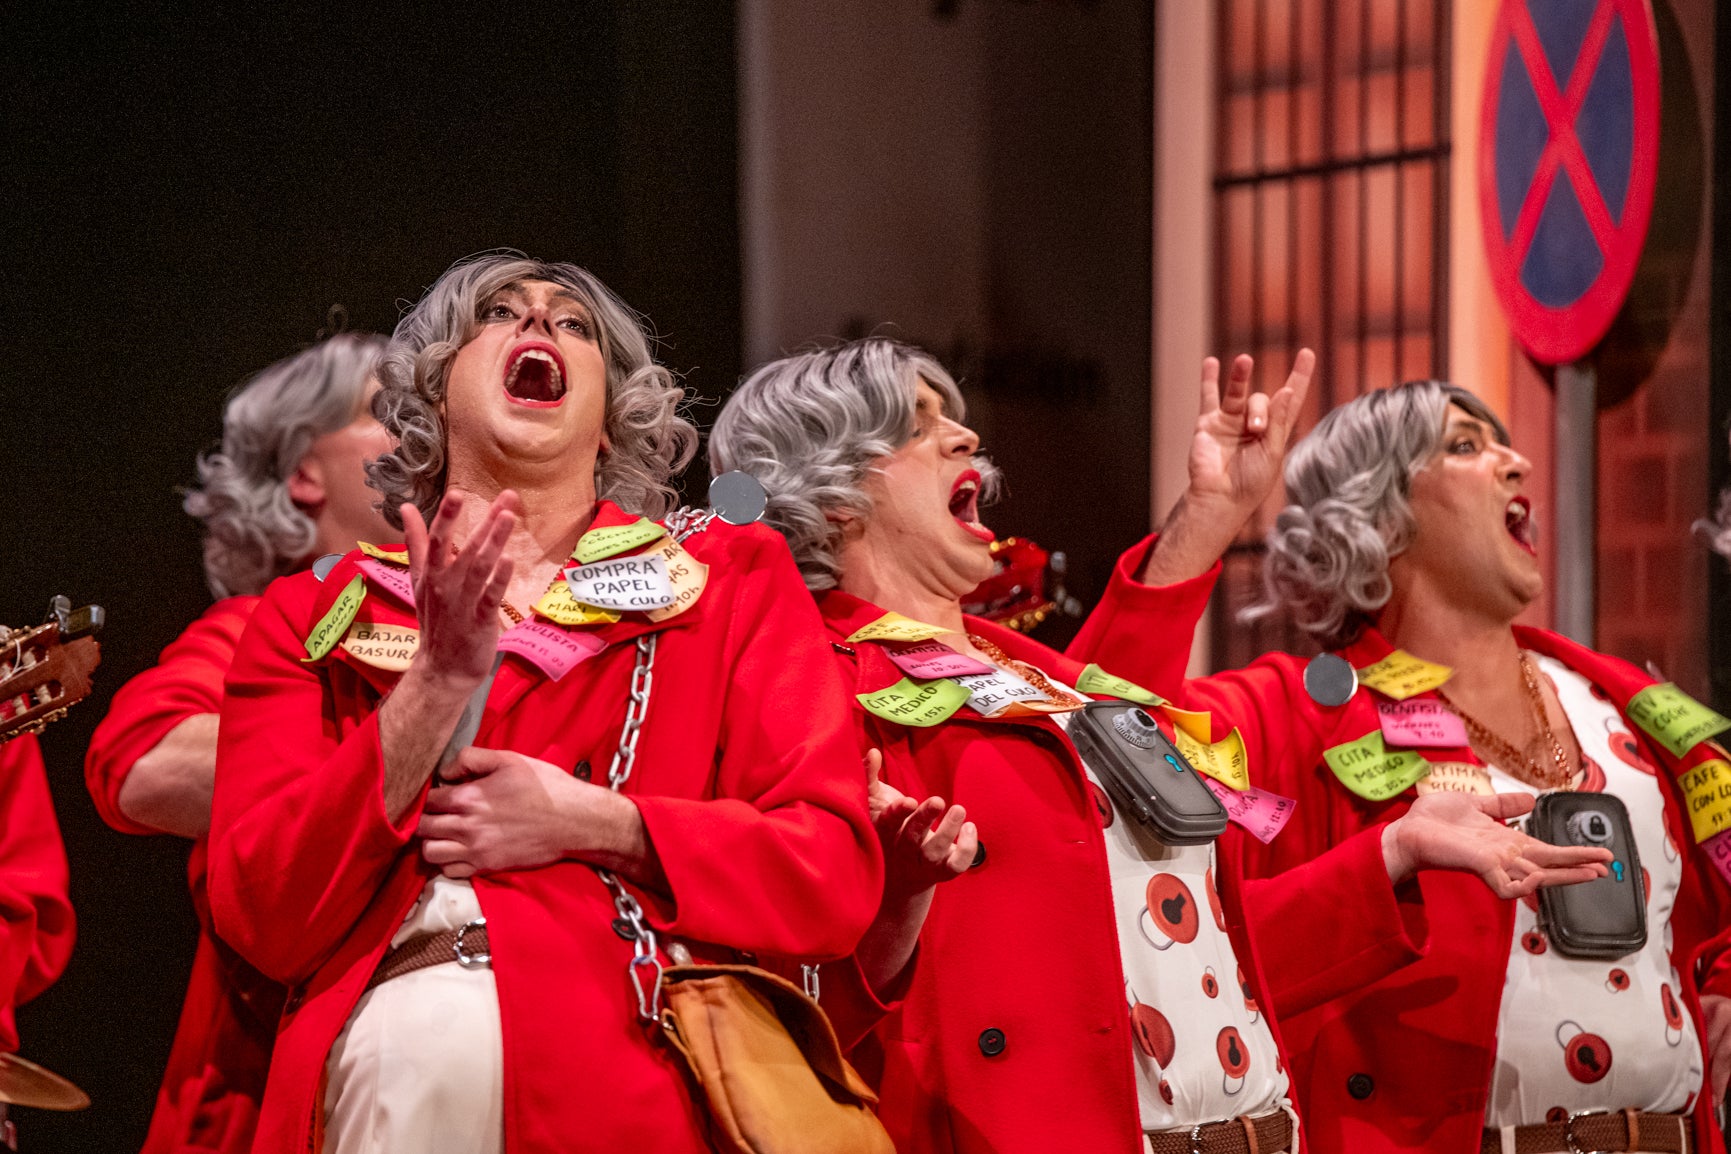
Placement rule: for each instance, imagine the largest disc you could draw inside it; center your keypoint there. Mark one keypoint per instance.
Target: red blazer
(36, 923)
(216, 1071)
(747, 778)
(1402, 1062)
(1024, 943)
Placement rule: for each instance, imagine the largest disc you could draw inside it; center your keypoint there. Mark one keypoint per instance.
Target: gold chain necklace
(1518, 761)
(1026, 672)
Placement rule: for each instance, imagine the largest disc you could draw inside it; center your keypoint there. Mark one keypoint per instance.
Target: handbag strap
(645, 957)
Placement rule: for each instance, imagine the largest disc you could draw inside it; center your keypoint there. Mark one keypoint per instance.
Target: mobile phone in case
(1145, 774)
(1605, 918)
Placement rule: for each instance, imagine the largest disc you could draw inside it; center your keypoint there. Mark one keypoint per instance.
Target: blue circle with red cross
(1568, 161)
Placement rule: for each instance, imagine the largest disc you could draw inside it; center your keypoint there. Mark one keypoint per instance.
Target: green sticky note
(1674, 719)
(600, 544)
(1095, 680)
(910, 702)
(336, 620)
(1373, 771)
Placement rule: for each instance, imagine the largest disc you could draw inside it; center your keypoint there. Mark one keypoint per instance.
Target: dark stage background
(184, 198)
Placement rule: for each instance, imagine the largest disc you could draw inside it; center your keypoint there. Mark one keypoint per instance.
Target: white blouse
(1576, 1034)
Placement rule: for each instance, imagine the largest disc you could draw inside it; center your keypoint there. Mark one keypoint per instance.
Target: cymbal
(24, 1083)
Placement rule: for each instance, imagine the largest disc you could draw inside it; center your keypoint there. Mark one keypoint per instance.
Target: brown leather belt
(1623, 1130)
(467, 945)
(1268, 1134)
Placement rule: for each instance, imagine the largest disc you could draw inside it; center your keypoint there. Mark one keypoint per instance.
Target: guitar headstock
(46, 669)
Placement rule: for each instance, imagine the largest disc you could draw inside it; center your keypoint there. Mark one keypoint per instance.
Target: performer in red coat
(1081, 984)
(439, 908)
(287, 485)
(1406, 554)
(35, 913)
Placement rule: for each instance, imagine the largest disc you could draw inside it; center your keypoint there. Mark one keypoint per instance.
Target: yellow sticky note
(610, 541)
(1707, 788)
(1225, 761)
(557, 604)
(1400, 675)
(1455, 777)
(1372, 770)
(1674, 719)
(895, 627)
(921, 703)
(335, 622)
(389, 647)
(1198, 724)
(394, 556)
(685, 573)
(1095, 680)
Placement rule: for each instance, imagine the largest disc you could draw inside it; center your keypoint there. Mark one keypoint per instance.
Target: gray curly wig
(253, 532)
(810, 427)
(1716, 530)
(1349, 481)
(650, 440)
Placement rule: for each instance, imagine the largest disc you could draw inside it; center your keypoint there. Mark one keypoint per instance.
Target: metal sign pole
(1576, 492)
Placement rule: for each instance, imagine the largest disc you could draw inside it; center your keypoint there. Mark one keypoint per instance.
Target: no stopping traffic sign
(1568, 159)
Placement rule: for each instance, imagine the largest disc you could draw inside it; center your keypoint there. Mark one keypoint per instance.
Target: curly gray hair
(810, 427)
(1349, 481)
(253, 532)
(650, 440)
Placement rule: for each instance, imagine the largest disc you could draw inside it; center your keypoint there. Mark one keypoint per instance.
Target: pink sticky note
(928, 659)
(1264, 814)
(1421, 724)
(1718, 849)
(555, 651)
(388, 577)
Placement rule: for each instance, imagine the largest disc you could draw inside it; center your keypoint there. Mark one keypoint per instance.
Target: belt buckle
(1196, 1139)
(467, 960)
(1573, 1145)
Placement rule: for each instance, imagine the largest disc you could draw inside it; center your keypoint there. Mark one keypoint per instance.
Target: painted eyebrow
(1468, 425)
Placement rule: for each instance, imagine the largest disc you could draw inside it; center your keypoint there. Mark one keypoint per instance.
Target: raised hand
(1466, 832)
(458, 591)
(924, 842)
(1236, 455)
(1241, 436)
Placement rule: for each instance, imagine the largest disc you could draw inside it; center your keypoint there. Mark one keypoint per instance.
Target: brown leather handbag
(769, 1064)
(764, 1053)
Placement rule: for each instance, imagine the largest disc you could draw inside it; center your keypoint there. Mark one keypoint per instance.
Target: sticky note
(1455, 777)
(1225, 761)
(393, 581)
(1097, 682)
(1373, 771)
(931, 659)
(1673, 718)
(895, 627)
(1400, 675)
(394, 556)
(1199, 725)
(1261, 813)
(1423, 724)
(629, 584)
(1718, 849)
(557, 604)
(1707, 791)
(389, 647)
(920, 703)
(612, 540)
(554, 651)
(686, 574)
(990, 694)
(335, 622)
